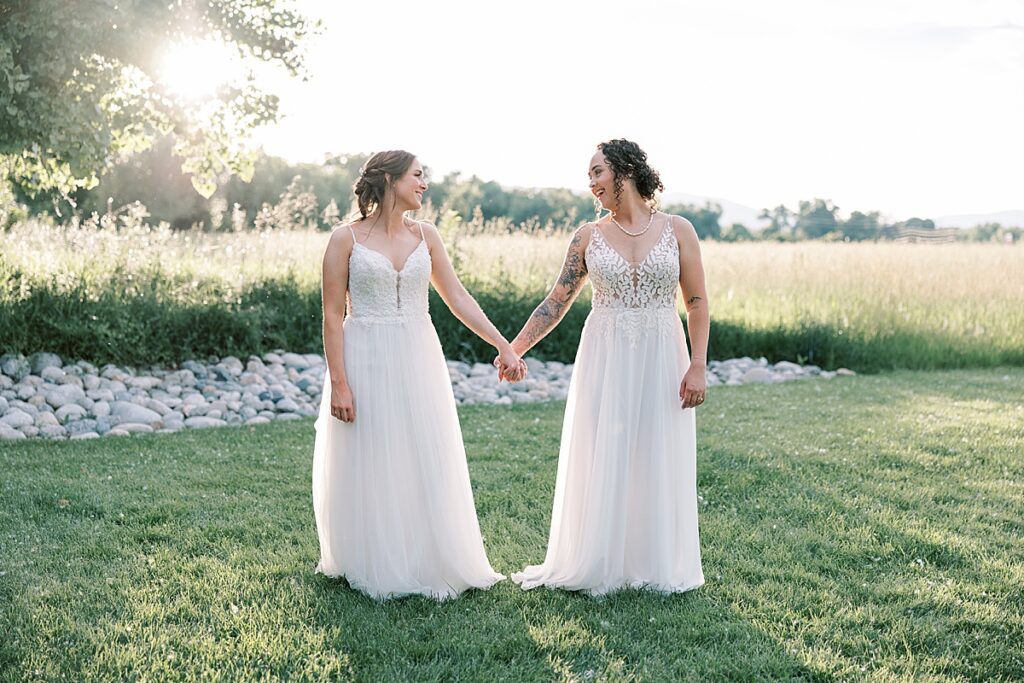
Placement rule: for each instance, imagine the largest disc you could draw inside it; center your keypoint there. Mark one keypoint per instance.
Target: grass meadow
(143, 294)
(857, 529)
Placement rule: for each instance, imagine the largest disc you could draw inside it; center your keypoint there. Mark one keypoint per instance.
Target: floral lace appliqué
(635, 299)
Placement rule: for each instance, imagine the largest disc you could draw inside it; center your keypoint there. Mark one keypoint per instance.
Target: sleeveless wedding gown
(391, 493)
(625, 507)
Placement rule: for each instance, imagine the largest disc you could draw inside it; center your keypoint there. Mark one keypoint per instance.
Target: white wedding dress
(391, 493)
(625, 508)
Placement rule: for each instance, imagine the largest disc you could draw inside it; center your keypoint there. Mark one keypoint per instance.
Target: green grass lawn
(863, 528)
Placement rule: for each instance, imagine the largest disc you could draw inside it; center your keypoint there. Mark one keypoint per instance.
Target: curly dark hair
(379, 172)
(629, 161)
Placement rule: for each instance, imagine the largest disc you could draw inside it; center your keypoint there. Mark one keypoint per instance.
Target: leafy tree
(704, 218)
(916, 223)
(816, 218)
(78, 85)
(861, 226)
(463, 196)
(780, 223)
(737, 232)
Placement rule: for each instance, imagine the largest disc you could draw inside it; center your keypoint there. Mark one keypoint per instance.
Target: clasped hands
(510, 366)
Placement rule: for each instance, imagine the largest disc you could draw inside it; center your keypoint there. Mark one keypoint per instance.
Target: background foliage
(78, 86)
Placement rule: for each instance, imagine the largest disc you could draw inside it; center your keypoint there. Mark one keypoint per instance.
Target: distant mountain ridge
(748, 216)
(731, 211)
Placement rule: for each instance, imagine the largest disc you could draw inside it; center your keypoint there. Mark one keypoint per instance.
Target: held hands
(511, 367)
(343, 406)
(693, 387)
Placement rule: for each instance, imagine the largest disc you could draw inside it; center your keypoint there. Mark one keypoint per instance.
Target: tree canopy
(79, 85)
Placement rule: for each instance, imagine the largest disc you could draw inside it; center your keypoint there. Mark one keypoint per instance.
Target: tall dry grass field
(872, 305)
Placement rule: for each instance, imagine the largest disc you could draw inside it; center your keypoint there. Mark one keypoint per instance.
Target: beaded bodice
(619, 284)
(376, 291)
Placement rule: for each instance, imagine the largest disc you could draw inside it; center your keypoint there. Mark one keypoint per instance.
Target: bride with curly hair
(625, 506)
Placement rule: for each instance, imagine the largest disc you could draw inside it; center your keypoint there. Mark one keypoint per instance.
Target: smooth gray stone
(135, 428)
(203, 422)
(39, 361)
(70, 412)
(15, 366)
(286, 405)
(81, 426)
(10, 434)
(15, 417)
(294, 360)
(130, 412)
(220, 374)
(64, 395)
(196, 409)
(195, 368)
(46, 420)
(101, 395)
(53, 432)
(52, 374)
(157, 407)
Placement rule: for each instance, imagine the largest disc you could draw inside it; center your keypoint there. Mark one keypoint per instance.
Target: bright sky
(910, 107)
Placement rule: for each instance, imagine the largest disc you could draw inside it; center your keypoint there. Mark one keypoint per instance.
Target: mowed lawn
(867, 528)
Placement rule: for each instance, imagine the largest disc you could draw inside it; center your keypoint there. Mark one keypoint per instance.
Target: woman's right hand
(343, 406)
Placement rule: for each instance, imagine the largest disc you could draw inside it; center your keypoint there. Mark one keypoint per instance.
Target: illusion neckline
(650, 252)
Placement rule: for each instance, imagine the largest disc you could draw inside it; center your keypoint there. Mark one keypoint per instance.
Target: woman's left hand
(511, 367)
(693, 387)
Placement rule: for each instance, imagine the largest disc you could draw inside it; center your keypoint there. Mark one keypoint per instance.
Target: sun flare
(196, 69)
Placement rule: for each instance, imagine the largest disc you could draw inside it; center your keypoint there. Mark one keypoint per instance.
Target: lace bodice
(378, 292)
(617, 283)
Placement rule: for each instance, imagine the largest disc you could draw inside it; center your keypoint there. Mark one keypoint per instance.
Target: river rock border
(42, 397)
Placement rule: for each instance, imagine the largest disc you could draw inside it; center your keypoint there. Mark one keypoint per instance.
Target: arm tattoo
(550, 311)
(692, 301)
(575, 268)
(544, 318)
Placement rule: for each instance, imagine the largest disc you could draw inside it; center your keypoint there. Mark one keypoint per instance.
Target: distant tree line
(284, 195)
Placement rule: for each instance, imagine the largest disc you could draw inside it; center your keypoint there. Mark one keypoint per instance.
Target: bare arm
(565, 290)
(454, 294)
(335, 290)
(691, 281)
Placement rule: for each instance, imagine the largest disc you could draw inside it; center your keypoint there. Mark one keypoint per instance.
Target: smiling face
(602, 181)
(410, 187)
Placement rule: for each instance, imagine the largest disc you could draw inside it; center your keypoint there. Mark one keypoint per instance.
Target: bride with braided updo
(391, 492)
(625, 508)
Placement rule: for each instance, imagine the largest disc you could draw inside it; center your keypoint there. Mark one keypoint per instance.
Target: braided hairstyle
(629, 161)
(378, 173)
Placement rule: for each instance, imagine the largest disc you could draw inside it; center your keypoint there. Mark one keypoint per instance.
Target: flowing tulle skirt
(391, 492)
(625, 507)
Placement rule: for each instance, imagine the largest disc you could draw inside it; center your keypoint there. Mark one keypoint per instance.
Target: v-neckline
(397, 271)
(642, 261)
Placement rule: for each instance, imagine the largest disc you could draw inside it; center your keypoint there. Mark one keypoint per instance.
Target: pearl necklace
(633, 234)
